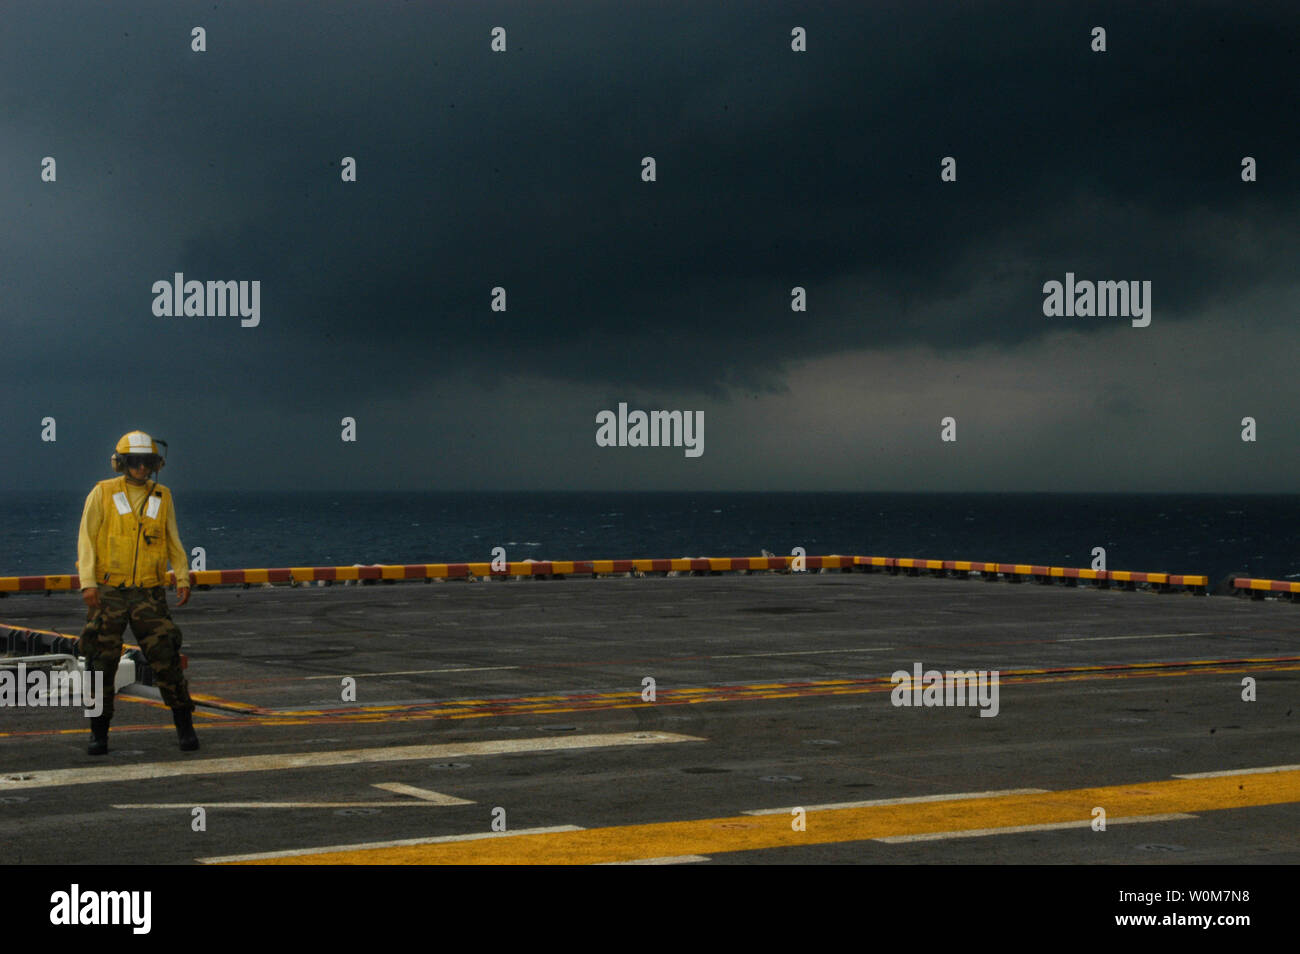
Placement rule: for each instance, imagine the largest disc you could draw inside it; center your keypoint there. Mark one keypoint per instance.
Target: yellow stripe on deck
(712, 836)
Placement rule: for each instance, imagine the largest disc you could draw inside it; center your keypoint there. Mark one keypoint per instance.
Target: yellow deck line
(724, 694)
(712, 836)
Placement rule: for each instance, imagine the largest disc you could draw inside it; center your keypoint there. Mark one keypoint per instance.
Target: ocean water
(1204, 533)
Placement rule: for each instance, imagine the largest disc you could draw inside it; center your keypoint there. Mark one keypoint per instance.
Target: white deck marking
(1249, 771)
(671, 860)
(424, 799)
(326, 849)
(189, 806)
(421, 672)
(1102, 639)
(915, 800)
(1018, 829)
(56, 778)
(806, 652)
(412, 672)
(434, 798)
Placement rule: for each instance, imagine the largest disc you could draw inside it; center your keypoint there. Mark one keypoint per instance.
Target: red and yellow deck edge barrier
(563, 568)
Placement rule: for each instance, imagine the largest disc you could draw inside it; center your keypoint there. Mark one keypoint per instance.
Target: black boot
(98, 735)
(185, 729)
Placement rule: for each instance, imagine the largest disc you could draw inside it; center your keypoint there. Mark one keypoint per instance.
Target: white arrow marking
(327, 849)
(56, 778)
(424, 799)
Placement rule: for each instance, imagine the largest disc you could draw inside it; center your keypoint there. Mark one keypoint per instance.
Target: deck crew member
(128, 535)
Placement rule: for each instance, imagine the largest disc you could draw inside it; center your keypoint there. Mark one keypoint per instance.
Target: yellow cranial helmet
(137, 444)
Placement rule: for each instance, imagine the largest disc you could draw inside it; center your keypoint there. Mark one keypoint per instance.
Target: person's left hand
(184, 593)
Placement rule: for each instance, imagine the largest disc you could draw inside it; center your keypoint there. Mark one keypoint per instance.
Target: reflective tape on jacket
(131, 547)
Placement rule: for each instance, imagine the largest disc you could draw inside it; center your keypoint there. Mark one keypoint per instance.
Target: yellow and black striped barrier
(560, 569)
(1016, 572)
(1259, 589)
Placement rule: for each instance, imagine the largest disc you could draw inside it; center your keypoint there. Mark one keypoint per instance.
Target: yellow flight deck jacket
(128, 534)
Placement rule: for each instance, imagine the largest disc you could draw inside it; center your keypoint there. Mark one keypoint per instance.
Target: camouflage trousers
(145, 608)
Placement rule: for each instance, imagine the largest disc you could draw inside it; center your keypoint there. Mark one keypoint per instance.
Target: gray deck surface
(416, 646)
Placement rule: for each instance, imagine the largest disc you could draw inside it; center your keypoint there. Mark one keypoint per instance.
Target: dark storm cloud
(775, 169)
(522, 169)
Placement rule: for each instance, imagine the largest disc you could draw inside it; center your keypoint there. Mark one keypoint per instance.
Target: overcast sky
(774, 169)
